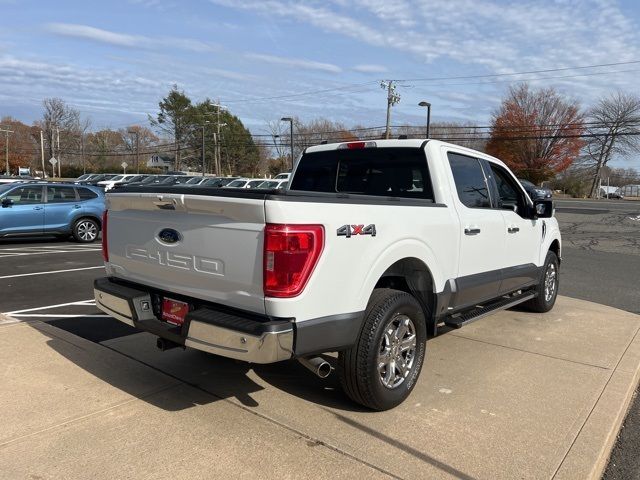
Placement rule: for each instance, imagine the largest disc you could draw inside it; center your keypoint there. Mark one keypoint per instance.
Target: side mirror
(7, 202)
(543, 208)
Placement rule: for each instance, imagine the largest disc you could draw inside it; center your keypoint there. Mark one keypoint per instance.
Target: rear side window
(382, 172)
(86, 194)
(60, 194)
(470, 182)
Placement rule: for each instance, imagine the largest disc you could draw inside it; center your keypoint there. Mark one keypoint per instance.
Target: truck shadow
(156, 377)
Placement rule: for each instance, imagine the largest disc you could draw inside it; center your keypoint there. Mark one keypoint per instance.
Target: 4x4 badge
(350, 230)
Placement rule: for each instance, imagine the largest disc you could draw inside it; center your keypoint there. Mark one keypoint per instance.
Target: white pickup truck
(373, 246)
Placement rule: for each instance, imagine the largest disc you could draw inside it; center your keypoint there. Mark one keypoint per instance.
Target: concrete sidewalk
(514, 395)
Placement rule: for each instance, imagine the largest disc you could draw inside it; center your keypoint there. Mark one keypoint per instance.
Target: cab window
(507, 192)
(470, 181)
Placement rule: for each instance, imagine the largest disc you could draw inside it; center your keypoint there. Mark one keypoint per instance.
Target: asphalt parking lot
(51, 281)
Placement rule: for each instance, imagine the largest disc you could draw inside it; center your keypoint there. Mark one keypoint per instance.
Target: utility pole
(393, 98)
(137, 134)
(6, 148)
(203, 125)
(59, 159)
(290, 120)
(44, 172)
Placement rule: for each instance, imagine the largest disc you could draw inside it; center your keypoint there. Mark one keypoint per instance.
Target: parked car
(237, 183)
(218, 181)
(95, 179)
(59, 209)
(273, 184)
(375, 244)
(283, 176)
(534, 191)
(254, 183)
(124, 178)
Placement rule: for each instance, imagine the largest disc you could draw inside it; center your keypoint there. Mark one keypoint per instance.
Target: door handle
(37, 208)
(513, 229)
(471, 230)
(77, 206)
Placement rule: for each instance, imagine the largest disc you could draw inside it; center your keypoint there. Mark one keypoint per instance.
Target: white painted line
(53, 315)
(81, 302)
(28, 254)
(51, 271)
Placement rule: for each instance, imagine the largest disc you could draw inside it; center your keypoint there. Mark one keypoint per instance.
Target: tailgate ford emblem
(169, 235)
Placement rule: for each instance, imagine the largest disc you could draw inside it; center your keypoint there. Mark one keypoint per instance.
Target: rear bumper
(225, 333)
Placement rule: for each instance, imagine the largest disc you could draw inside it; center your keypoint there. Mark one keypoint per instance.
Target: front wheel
(547, 286)
(381, 369)
(85, 230)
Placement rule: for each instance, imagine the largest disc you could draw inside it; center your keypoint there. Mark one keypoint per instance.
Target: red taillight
(105, 244)
(290, 255)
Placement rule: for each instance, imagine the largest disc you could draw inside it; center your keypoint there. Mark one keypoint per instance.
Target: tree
(536, 132)
(137, 139)
(175, 119)
(22, 147)
(614, 126)
(60, 124)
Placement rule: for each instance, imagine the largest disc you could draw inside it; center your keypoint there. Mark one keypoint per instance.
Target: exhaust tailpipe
(317, 365)
(163, 344)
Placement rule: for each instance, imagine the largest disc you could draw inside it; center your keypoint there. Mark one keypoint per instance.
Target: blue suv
(29, 209)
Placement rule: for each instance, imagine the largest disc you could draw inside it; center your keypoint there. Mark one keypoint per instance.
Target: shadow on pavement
(218, 378)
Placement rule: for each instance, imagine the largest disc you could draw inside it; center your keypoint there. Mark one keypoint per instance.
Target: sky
(264, 59)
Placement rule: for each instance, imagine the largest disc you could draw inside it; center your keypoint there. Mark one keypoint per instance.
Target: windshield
(137, 178)
(5, 188)
(83, 177)
(281, 176)
(526, 183)
(270, 184)
(156, 179)
(193, 180)
(117, 177)
(109, 177)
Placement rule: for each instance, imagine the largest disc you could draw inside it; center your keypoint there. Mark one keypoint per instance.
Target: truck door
(482, 239)
(523, 236)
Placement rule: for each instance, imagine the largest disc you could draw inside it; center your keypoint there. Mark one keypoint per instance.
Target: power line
(529, 72)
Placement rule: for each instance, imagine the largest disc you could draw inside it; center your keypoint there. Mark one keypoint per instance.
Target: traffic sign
(124, 164)
(53, 160)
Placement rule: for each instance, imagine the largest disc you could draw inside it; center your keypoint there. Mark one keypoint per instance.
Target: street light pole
(290, 120)
(428, 105)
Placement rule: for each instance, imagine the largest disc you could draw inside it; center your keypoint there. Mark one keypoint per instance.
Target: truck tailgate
(212, 247)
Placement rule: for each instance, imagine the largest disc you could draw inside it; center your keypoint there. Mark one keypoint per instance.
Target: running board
(480, 311)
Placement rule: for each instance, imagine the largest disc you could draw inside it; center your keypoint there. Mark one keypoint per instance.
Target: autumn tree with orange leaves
(536, 132)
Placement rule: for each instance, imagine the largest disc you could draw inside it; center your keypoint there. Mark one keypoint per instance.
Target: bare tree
(614, 124)
(60, 124)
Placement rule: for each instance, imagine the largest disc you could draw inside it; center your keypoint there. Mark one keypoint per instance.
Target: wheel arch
(413, 276)
(89, 216)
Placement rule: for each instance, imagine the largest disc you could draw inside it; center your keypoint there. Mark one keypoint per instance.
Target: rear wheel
(381, 369)
(85, 230)
(547, 287)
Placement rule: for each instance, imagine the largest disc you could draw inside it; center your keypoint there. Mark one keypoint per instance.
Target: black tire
(358, 369)
(86, 230)
(546, 299)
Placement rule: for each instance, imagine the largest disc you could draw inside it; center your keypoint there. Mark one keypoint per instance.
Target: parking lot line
(7, 254)
(54, 315)
(51, 271)
(85, 303)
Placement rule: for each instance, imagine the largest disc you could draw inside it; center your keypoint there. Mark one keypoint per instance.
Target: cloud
(125, 40)
(294, 62)
(370, 68)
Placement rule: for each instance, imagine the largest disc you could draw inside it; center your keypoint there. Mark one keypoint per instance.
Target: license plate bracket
(174, 311)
